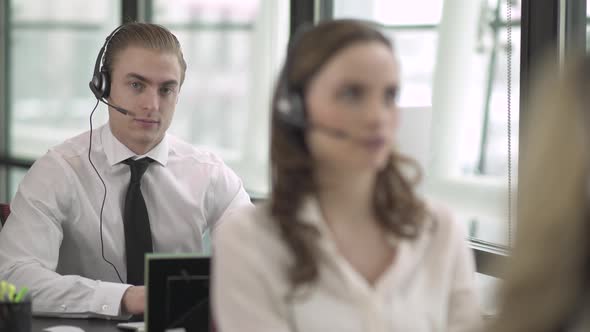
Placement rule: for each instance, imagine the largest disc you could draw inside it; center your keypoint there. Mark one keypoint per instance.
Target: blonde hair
(546, 280)
(146, 35)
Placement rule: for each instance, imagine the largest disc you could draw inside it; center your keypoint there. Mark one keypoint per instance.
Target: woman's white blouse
(429, 286)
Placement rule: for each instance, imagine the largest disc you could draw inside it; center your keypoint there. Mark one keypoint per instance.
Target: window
(454, 99)
(16, 175)
(49, 58)
(587, 25)
(414, 33)
(234, 49)
(53, 46)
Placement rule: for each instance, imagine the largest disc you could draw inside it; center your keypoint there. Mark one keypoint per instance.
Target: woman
(547, 283)
(344, 243)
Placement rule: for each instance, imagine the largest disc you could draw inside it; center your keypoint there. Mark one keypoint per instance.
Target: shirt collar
(117, 152)
(311, 214)
(409, 257)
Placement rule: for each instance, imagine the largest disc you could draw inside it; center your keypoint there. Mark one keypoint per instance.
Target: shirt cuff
(107, 298)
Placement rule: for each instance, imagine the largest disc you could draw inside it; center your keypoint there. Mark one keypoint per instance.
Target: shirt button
(105, 307)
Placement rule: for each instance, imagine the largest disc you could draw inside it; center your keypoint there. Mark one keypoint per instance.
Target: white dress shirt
(51, 241)
(429, 286)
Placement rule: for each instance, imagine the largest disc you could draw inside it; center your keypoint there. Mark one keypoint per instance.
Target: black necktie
(138, 235)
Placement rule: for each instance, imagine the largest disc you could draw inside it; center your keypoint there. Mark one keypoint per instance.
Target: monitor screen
(177, 292)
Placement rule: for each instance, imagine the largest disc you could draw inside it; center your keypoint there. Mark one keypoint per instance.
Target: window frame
(4, 102)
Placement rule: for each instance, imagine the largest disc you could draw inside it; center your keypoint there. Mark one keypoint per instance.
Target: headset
(290, 105)
(100, 84)
(290, 101)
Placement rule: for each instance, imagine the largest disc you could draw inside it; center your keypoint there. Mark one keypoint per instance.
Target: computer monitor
(177, 292)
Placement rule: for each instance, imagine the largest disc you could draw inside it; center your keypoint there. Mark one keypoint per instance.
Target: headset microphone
(100, 84)
(290, 104)
(334, 132)
(118, 109)
(290, 107)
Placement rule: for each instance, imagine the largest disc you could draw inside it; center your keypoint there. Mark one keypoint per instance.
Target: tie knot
(137, 167)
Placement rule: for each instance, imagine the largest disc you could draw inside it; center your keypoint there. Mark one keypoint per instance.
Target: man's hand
(133, 301)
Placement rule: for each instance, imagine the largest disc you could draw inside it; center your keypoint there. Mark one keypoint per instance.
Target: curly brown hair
(395, 204)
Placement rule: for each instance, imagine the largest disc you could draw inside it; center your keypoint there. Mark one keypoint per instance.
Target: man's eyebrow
(139, 77)
(145, 79)
(169, 83)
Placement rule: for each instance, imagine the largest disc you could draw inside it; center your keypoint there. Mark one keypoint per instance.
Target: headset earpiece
(100, 84)
(105, 80)
(291, 109)
(290, 104)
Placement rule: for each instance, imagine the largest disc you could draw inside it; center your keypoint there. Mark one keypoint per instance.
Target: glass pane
(233, 49)
(496, 148)
(415, 49)
(53, 47)
(515, 9)
(60, 11)
(587, 26)
(454, 94)
(15, 175)
(205, 11)
(391, 12)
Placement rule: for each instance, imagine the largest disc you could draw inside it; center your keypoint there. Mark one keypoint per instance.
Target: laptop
(177, 294)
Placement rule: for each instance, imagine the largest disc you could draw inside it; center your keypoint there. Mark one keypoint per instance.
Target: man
(89, 209)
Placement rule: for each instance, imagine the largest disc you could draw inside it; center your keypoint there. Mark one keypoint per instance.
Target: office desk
(88, 325)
